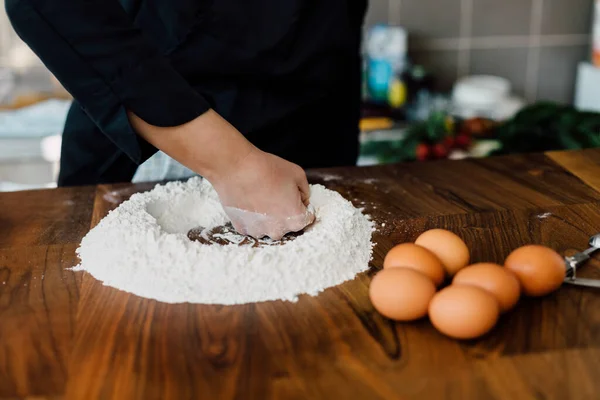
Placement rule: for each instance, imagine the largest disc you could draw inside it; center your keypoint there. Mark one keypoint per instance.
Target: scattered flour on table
(142, 247)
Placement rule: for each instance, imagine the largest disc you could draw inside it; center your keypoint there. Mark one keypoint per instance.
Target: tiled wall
(534, 43)
(537, 44)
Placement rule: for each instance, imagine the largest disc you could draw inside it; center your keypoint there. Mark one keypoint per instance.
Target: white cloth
(161, 167)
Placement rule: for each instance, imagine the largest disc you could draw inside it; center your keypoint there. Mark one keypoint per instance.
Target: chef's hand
(266, 196)
(262, 194)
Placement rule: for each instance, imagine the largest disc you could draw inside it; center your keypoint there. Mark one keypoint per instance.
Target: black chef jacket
(286, 73)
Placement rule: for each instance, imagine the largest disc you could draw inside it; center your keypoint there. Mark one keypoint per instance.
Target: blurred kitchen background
(441, 79)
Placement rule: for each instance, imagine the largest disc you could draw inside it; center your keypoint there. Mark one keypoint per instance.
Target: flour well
(142, 247)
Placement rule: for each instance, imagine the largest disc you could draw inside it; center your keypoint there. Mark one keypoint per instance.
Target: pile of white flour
(142, 247)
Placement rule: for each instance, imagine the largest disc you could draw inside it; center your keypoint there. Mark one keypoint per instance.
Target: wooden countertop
(64, 335)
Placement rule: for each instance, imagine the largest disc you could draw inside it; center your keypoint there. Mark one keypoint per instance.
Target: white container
(484, 96)
(587, 89)
(480, 91)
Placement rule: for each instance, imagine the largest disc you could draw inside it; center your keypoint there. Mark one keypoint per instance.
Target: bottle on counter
(385, 63)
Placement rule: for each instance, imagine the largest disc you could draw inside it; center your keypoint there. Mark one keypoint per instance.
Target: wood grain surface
(63, 335)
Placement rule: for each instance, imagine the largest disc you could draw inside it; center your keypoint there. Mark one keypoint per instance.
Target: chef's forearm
(208, 144)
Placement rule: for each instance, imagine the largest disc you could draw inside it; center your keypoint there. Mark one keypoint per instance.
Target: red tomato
(440, 151)
(423, 151)
(463, 141)
(450, 142)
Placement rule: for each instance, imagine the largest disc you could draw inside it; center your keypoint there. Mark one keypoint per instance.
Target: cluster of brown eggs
(407, 288)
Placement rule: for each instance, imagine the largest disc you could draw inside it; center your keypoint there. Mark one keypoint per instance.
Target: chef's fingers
(302, 182)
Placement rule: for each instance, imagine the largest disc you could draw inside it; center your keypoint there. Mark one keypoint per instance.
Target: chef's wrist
(218, 147)
(218, 169)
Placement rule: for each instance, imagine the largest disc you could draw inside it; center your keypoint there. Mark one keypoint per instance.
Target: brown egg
(540, 270)
(402, 294)
(463, 311)
(500, 282)
(448, 247)
(415, 257)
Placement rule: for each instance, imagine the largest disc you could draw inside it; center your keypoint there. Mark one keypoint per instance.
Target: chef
(244, 93)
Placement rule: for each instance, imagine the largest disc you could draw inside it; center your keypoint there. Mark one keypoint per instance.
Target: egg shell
(409, 255)
(401, 294)
(540, 270)
(499, 281)
(463, 311)
(448, 247)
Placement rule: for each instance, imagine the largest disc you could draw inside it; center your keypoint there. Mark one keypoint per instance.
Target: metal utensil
(573, 263)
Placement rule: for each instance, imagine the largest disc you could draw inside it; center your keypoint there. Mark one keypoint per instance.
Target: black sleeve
(106, 63)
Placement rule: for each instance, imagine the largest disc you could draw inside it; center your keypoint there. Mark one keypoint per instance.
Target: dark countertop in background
(64, 335)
